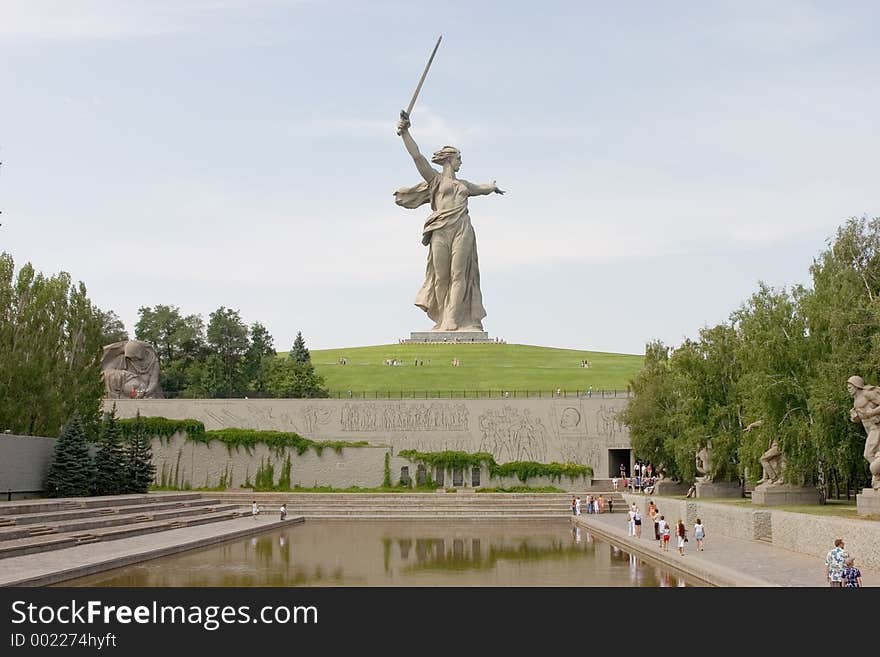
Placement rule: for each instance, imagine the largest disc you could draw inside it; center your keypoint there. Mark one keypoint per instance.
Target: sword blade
(422, 79)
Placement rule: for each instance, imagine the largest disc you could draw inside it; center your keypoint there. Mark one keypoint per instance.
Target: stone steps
(416, 505)
(102, 520)
(19, 507)
(25, 518)
(55, 541)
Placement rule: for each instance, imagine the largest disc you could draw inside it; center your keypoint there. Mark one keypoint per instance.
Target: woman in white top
(699, 534)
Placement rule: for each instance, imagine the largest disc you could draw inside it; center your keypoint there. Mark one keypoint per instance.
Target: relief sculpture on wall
(512, 435)
(404, 417)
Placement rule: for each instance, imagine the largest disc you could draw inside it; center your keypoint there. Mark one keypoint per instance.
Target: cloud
(24, 21)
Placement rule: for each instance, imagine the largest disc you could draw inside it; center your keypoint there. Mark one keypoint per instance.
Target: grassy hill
(483, 367)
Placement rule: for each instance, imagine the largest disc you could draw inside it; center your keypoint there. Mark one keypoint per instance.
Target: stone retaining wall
(24, 463)
(798, 532)
(581, 430)
(181, 464)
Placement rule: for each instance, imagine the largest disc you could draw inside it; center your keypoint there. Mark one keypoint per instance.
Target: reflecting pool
(402, 553)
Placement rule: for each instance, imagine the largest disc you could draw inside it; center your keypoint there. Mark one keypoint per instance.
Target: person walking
(699, 534)
(577, 506)
(600, 505)
(653, 514)
(834, 563)
(681, 533)
(284, 511)
(255, 510)
(852, 576)
(573, 506)
(637, 521)
(630, 523)
(664, 533)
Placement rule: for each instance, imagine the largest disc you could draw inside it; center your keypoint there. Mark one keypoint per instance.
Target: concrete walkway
(724, 561)
(52, 567)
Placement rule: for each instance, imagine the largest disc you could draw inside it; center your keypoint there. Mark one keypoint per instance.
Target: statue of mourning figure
(131, 370)
(772, 460)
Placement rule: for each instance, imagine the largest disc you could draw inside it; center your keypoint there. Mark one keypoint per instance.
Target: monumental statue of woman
(451, 294)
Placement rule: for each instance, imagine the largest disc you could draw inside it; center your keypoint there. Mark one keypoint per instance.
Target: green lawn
(841, 508)
(483, 367)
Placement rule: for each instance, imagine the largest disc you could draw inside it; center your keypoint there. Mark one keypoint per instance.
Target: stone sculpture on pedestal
(131, 370)
(866, 409)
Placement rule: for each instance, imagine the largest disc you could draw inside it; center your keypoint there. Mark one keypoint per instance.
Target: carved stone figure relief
(513, 435)
(404, 417)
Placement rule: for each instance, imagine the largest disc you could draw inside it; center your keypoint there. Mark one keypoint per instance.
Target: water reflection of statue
(866, 408)
(704, 465)
(131, 369)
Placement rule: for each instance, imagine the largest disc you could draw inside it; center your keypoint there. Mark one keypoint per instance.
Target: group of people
(840, 567)
(590, 505)
(662, 529)
(256, 509)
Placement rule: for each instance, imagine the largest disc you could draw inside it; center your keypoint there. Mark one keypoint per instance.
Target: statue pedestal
(778, 494)
(868, 502)
(719, 489)
(449, 337)
(670, 488)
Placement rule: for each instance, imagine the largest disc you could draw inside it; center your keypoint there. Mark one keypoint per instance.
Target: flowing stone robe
(450, 296)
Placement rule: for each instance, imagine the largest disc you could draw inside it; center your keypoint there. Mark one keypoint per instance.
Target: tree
(140, 470)
(778, 361)
(72, 470)
(288, 378)
(650, 414)
(228, 341)
(112, 328)
(260, 355)
(842, 312)
(298, 352)
(50, 349)
(179, 343)
(110, 459)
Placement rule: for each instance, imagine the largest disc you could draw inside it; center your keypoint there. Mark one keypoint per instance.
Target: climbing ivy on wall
(525, 470)
(248, 439)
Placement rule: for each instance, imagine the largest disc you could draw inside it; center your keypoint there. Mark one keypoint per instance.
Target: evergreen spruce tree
(110, 461)
(71, 472)
(139, 459)
(298, 352)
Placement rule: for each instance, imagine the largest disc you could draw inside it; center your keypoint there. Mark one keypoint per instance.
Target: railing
(445, 394)
(478, 394)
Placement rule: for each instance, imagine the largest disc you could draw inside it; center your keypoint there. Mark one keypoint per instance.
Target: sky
(659, 160)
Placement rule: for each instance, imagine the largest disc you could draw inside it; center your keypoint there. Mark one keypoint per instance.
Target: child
(666, 533)
(699, 534)
(284, 511)
(255, 509)
(852, 576)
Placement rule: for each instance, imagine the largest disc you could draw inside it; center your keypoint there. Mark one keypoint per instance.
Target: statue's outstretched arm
(425, 170)
(481, 190)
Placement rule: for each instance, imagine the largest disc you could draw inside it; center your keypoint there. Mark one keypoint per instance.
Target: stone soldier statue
(772, 462)
(704, 465)
(866, 409)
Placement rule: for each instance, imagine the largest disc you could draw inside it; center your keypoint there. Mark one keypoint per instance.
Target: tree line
(782, 358)
(121, 464)
(51, 340)
(226, 358)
